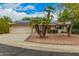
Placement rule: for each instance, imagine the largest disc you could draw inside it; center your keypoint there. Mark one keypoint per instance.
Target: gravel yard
(58, 39)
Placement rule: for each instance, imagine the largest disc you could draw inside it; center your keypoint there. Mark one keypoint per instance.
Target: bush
(53, 31)
(40, 21)
(76, 26)
(75, 31)
(40, 25)
(4, 26)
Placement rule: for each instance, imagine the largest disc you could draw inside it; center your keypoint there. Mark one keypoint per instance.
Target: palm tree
(49, 9)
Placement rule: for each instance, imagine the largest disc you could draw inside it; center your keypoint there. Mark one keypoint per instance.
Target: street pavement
(6, 50)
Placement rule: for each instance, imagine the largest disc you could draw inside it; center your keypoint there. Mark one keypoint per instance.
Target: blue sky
(36, 7)
(17, 11)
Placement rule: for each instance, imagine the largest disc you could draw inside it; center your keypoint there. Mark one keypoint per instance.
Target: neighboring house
(22, 22)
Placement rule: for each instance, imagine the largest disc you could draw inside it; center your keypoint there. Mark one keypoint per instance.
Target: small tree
(40, 25)
(70, 13)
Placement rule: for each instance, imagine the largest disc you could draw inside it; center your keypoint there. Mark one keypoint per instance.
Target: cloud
(12, 14)
(9, 5)
(37, 14)
(28, 7)
(18, 15)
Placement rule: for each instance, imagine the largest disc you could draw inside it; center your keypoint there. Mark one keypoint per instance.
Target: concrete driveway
(19, 33)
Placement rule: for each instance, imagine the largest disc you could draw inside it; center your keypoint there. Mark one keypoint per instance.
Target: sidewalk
(17, 40)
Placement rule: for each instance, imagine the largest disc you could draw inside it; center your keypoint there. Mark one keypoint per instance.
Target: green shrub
(40, 21)
(76, 26)
(49, 31)
(53, 31)
(4, 26)
(75, 31)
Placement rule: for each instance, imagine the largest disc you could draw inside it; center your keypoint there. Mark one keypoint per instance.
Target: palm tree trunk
(48, 15)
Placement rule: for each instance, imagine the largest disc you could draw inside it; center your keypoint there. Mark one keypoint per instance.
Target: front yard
(57, 39)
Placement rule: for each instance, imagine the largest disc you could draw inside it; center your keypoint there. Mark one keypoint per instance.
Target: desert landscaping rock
(56, 39)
